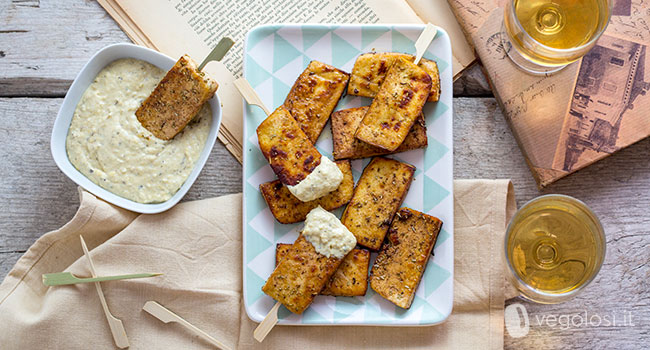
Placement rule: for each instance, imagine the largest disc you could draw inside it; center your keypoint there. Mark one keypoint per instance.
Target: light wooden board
(43, 44)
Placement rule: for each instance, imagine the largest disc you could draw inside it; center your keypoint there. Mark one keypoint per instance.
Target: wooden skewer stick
(264, 328)
(64, 278)
(271, 319)
(218, 52)
(251, 97)
(160, 312)
(424, 40)
(116, 326)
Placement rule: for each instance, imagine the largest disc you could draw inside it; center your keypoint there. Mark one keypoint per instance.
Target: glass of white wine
(555, 246)
(544, 36)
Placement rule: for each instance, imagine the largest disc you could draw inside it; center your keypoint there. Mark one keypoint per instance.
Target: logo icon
(516, 320)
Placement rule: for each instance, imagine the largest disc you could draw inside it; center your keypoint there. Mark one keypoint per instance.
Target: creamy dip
(327, 234)
(325, 178)
(108, 145)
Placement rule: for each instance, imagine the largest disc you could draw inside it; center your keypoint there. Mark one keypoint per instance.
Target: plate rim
(327, 26)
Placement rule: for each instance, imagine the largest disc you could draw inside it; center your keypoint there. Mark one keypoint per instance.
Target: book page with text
(176, 27)
(439, 12)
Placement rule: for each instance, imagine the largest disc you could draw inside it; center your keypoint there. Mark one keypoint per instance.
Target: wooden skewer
(251, 97)
(424, 40)
(271, 319)
(264, 328)
(218, 52)
(116, 326)
(64, 278)
(160, 312)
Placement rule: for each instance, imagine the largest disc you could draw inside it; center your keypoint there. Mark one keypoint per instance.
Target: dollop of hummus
(327, 234)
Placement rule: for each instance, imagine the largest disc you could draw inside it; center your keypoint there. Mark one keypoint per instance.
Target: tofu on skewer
(370, 70)
(314, 96)
(176, 100)
(345, 123)
(396, 106)
(310, 262)
(350, 279)
(288, 209)
(294, 159)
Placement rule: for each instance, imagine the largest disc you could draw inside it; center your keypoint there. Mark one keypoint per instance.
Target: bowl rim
(64, 116)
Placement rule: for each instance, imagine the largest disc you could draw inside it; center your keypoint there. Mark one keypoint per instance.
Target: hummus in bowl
(99, 144)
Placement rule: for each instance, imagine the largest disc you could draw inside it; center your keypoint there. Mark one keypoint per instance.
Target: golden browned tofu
(291, 155)
(345, 123)
(396, 106)
(398, 269)
(288, 209)
(300, 276)
(370, 71)
(176, 100)
(377, 196)
(350, 279)
(314, 96)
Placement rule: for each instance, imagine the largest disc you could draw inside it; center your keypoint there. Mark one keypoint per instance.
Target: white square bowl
(62, 123)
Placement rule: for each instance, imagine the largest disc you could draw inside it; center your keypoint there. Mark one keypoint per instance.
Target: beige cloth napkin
(198, 247)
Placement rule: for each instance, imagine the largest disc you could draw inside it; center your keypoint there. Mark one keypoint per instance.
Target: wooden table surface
(43, 44)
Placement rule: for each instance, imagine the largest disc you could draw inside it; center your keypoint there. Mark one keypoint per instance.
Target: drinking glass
(555, 246)
(543, 36)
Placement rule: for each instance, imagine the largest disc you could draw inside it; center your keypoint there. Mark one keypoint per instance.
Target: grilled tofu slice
(370, 71)
(396, 106)
(288, 209)
(314, 96)
(176, 100)
(300, 276)
(345, 123)
(377, 196)
(349, 280)
(398, 269)
(291, 155)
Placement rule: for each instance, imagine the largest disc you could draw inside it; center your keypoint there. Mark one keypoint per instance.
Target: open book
(177, 27)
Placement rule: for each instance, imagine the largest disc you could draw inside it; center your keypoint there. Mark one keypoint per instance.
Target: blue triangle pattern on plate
(255, 244)
(280, 91)
(433, 194)
(283, 312)
(428, 311)
(433, 111)
(314, 317)
(256, 205)
(283, 52)
(342, 51)
(256, 160)
(434, 152)
(442, 64)
(402, 43)
(279, 230)
(442, 236)
(346, 306)
(434, 276)
(370, 34)
(312, 34)
(256, 73)
(253, 286)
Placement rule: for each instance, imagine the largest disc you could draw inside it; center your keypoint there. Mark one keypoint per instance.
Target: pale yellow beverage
(555, 33)
(554, 246)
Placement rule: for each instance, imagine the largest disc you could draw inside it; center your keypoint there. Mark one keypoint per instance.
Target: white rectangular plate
(274, 56)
